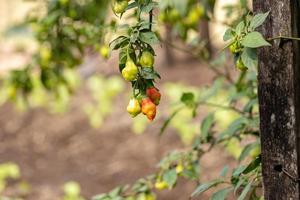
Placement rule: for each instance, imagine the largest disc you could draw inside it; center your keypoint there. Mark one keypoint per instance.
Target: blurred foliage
(184, 17)
(103, 91)
(11, 185)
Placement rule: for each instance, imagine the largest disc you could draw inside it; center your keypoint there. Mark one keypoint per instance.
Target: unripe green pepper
(120, 6)
(147, 59)
(161, 185)
(150, 196)
(240, 65)
(130, 71)
(194, 15)
(63, 2)
(174, 15)
(179, 168)
(235, 48)
(134, 107)
(104, 51)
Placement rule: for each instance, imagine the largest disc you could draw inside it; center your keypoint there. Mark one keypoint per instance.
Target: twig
(283, 37)
(215, 70)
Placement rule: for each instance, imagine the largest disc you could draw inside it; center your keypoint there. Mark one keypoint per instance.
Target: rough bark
(279, 99)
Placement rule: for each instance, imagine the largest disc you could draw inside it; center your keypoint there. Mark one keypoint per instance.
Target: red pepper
(153, 94)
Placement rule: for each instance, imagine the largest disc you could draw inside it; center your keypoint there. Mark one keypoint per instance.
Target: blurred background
(85, 142)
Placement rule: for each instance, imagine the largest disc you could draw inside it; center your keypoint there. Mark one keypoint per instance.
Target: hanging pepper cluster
(136, 58)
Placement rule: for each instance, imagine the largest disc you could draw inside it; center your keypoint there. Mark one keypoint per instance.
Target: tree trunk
(279, 99)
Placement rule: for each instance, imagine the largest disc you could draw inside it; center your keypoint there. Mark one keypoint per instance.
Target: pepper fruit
(161, 185)
(147, 59)
(235, 48)
(63, 2)
(150, 196)
(104, 51)
(130, 71)
(148, 108)
(154, 95)
(179, 169)
(134, 107)
(120, 6)
(174, 15)
(194, 15)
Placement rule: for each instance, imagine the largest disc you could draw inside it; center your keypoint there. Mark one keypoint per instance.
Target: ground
(52, 149)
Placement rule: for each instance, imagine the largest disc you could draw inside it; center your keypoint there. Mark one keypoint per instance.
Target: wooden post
(279, 99)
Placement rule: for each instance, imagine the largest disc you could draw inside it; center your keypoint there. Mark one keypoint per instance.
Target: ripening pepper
(148, 108)
(147, 59)
(130, 71)
(134, 107)
(154, 95)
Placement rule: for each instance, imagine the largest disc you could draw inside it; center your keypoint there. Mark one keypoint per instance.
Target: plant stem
(222, 107)
(150, 19)
(283, 37)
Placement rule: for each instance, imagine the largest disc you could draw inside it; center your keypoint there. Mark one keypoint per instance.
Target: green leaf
(149, 37)
(119, 42)
(206, 125)
(240, 28)
(224, 171)
(245, 191)
(253, 165)
(239, 183)
(249, 58)
(258, 20)
(115, 192)
(206, 186)
(234, 127)
(237, 171)
(188, 99)
(228, 34)
(149, 73)
(100, 197)
(170, 177)
(254, 40)
(148, 7)
(250, 105)
(132, 5)
(221, 194)
(143, 25)
(247, 149)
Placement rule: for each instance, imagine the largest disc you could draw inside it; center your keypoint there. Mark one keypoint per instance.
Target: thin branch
(150, 19)
(215, 70)
(221, 106)
(283, 37)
